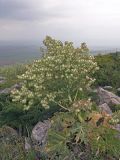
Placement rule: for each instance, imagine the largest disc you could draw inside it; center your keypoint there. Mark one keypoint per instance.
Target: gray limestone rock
(2, 79)
(27, 144)
(105, 108)
(40, 131)
(8, 90)
(108, 97)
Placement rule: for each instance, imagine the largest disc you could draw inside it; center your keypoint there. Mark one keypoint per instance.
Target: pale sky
(96, 22)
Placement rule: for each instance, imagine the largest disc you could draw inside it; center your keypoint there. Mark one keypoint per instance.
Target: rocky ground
(38, 137)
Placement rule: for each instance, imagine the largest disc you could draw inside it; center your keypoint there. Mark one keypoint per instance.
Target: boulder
(40, 132)
(5, 91)
(105, 108)
(8, 90)
(2, 79)
(108, 97)
(7, 134)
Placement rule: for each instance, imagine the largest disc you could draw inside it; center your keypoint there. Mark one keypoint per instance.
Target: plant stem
(61, 105)
(76, 95)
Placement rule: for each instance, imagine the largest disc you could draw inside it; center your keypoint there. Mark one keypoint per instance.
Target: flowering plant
(60, 76)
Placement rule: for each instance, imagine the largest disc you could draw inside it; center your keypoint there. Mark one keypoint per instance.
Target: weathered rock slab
(40, 132)
(2, 79)
(108, 97)
(8, 90)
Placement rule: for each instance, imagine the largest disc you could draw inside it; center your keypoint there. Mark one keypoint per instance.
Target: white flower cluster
(57, 76)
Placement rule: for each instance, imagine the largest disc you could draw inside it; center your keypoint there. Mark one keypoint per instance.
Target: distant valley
(11, 54)
(18, 54)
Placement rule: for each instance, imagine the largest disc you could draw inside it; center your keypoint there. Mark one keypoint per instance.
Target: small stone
(118, 89)
(108, 87)
(27, 144)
